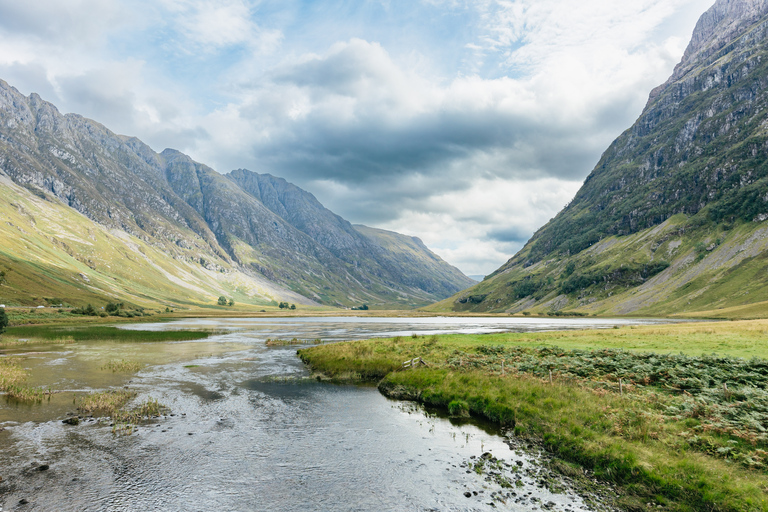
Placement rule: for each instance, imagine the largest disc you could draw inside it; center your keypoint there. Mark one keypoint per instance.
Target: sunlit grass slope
(682, 266)
(51, 254)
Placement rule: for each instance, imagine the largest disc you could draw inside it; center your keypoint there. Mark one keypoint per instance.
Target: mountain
(387, 255)
(103, 200)
(672, 217)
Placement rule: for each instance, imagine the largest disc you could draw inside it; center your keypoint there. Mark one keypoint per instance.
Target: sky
(468, 124)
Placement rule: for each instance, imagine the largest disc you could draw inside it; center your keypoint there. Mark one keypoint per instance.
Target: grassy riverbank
(679, 429)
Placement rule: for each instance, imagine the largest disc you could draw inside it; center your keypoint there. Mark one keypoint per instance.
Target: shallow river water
(249, 430)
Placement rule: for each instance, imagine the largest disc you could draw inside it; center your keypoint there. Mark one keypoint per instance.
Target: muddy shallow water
(249, 430)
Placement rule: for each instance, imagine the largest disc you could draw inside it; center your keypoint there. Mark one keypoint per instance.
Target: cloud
(482, 225)
(467, 123)
(210, 25)
(74, 22)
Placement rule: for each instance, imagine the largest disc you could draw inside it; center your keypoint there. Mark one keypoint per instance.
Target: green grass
(111, 404)
(12, 381)
(616, 276)
(122, 365)
(675, 436)
(105, 402)
(53, 334)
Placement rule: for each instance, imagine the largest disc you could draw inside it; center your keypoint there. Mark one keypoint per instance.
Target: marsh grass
(72, 334)
(105, 402)
(295, 341)
(111, 404)
(671, 433)
(122, 365)
(12, 382)
(11, 342)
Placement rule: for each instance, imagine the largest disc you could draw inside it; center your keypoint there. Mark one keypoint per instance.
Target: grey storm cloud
(373, 134)
(510, 234)
(368, 148)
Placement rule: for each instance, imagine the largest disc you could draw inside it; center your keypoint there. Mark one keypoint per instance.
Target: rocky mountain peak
(717, 27)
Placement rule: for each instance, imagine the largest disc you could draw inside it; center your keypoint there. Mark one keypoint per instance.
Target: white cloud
(459, 156)
(77, 23)
(208, 25)
(479, 228)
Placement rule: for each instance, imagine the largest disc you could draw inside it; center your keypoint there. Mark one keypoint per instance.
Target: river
(249, 430)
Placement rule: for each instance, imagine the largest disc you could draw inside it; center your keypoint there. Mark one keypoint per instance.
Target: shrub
(113, 308)
(87, 311)
(3, 320)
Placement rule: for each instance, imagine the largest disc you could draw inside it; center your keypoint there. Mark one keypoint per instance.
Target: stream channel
(248, 429)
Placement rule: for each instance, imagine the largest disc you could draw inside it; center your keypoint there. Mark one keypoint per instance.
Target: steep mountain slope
(391, 257)
(671, 217)
(51, 254)
(192, 215)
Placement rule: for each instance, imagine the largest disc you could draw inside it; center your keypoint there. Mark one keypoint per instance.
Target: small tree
(113, 308)
(231, 302)
(222, 301)
(293, 306)
(3, 320)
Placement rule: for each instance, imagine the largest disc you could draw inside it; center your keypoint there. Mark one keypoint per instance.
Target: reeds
(295, 341)
(122, 366)
(47, 334)
(111, 404)
(12, 382)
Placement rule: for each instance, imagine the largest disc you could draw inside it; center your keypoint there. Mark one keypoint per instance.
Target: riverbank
(684, 431)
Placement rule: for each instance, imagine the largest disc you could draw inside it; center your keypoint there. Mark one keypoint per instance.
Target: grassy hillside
(685, 266)
(51, 254)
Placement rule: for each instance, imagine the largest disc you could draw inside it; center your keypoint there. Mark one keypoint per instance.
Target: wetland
(245, 426)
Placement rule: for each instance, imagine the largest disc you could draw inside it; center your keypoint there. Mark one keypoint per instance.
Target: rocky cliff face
(386, 255)
(694, 163)
(251, 223)
(699, 142)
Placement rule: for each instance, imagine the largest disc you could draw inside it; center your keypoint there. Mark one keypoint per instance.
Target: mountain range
(89, 215)
(672, 218)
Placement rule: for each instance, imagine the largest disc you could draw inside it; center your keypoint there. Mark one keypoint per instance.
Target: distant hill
(672, 218)
(86, 214)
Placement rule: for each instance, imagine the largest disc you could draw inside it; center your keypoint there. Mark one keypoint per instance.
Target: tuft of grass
(112, 404)
(295, 341)
(105, 402)
(122, 365)
(12, 382)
